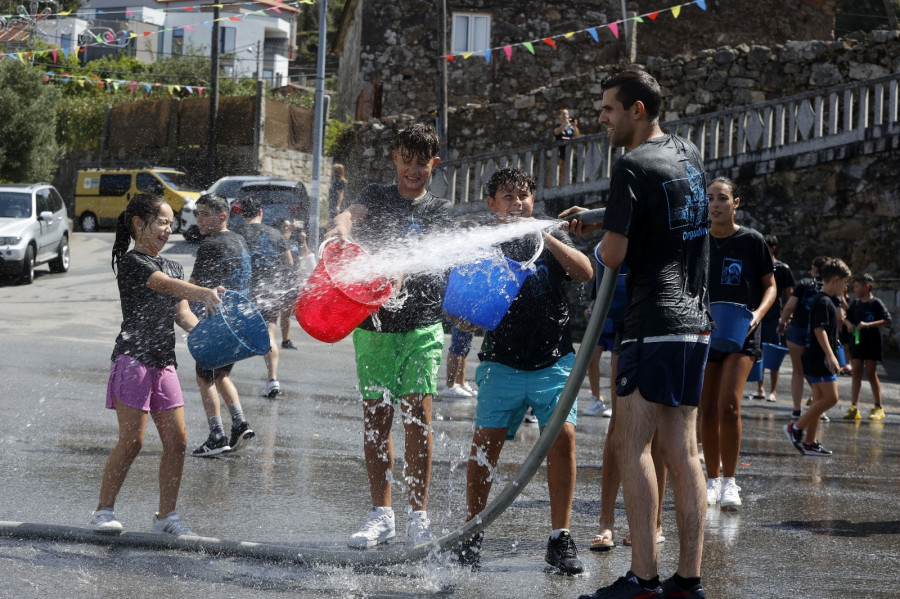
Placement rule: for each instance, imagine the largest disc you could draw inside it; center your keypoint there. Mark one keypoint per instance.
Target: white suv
(34, 229)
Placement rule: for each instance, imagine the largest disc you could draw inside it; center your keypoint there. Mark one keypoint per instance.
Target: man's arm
(576, 264)
(613, 248)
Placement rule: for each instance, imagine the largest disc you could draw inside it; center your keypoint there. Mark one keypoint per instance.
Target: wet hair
(728, 183)
(635, 85)
(417, 140)
(819, 261)
(865, 279)
(337, 171)
(771, 241)
(250, 206)
(145, 206)
(834, 267)
(505, 176)
(216, 202)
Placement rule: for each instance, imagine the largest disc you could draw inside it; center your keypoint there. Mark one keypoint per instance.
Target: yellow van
(102, 194)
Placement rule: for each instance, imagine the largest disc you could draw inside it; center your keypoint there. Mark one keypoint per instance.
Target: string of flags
(594, 32)
(104, 39)
(117, 84)
(179, 9)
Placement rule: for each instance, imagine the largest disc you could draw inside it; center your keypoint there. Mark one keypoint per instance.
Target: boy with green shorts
(525, 363)
(398, 349)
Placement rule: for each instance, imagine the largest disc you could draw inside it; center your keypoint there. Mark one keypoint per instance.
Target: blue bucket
(482, 292)
(756, 373)
(773, 356)
(842, 358)
(732, 324)
(237, 331)
(620, 295)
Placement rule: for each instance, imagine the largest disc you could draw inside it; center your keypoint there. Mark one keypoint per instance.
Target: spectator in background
(336, 192)
(566, 128)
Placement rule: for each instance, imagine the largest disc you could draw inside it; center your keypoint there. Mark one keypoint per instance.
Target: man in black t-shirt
(657, 224)
(269, 257)
(222, 259)
(398, 349)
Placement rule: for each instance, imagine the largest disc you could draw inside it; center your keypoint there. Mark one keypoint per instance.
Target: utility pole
(443, 147)
(318, 129)
(212, 141)
(258, 60)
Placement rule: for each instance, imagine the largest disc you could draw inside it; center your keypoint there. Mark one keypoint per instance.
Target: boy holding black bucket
(526, 361)
(222, 259)
(398, 348)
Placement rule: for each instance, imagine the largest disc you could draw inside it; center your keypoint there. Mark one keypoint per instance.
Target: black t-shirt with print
(148, 317)
(868, 311)
(391, 218)
(784, 279)
(822, 314)
(736, 265)
(535, 332)
(658, 201)
(223, 260)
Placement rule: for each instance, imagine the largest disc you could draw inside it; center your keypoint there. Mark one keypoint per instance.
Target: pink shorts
(142, 387)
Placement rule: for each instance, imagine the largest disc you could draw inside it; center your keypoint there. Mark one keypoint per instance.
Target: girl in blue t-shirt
(142, 376)
(741, 271)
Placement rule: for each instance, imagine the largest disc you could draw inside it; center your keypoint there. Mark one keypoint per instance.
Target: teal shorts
(505, 394)
(396, 364)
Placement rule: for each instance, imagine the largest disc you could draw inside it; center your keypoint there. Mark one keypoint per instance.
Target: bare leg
(735, 369)
(561, 476)
(874, 383)
(271, 356)
(609, 475)
(679, 449)
(132, 424)
(634, 431)
(209, 397)
(856, 381)
(797, 378)
(285, 320)
(379, 449)
(773, 378)
(486, 446)
(228, 391)
(453, 368)
(709, 418)
(172, 433)
(825, 396)
(594, 372)
(659, 465)
(416, 410)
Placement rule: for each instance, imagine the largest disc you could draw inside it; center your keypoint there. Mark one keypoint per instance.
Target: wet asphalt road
(809, 527)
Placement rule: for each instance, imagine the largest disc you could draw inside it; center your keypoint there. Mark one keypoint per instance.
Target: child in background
(864, 317)
(820, 363)
(142, 377)
(525, 362)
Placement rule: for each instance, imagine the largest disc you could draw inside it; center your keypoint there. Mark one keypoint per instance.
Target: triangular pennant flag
(614, 27)
(81, 82)
(466, 55)
(676, 10)
(449, 57)
(508, 51)
(529, 46)
(200, 90)
(570, 34)
(147, 85)
(189, 89)
(208, 25)
(177, 88)
(115, 85)
(66, 54)
(638, 20)
(188, 28)
(593, 32)
(549, 41)
(653, 15)
(171, 89)
(487, 56)
(189, 8)
(132, 85)
(53, 54)
(65, 13)
(234, 18)
(46, 78)
(19, 56)
(99, 39)
(701, 4)
(146, 33)
(129, 13)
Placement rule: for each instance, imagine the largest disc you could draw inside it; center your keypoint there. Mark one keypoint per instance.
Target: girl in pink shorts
(142, 376)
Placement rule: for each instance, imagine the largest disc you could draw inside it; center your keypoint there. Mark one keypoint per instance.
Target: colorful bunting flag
(508, 51)
(487, 56)
(549, 41)
(614, 27)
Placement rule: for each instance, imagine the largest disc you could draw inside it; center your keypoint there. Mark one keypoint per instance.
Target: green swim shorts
(397, 364)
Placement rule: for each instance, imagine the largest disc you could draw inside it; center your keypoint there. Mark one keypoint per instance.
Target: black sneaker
(240, 434)
(794, 435)
(626, 588)
(468, 553)
(212, 446)
(795, 415)
(288, 344)
(561, 553)
(670, 589)
(815, 449)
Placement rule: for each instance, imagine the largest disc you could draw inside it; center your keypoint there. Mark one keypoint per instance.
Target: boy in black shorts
(864, 317)
(820, 363)
(222, 259)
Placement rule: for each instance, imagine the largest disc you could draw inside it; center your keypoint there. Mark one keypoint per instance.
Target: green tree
(28, 148)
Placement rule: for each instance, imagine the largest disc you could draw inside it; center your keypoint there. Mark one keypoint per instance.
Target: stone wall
(395, 44)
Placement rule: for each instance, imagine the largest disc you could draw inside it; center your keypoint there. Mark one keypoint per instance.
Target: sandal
(602, 542)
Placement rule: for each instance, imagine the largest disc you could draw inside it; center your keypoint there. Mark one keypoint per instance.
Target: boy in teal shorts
(525, 362)
(398, 349)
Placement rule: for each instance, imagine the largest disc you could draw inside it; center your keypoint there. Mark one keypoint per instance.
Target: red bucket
(329, 309)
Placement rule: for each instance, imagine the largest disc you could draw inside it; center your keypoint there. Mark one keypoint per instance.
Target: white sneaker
(455, 392)
(469, 388)
(713, 490)
(730, 493)
(378, 528)
(418, 529)
(530, 418)
(607, 413)
(273, 388)
(171, 525)
(104, 520)
(596, 408)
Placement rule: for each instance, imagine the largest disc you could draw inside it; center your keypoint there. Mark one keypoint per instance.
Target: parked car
(280, 198)
(229, 187)
(34, 229)
(102, 194)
